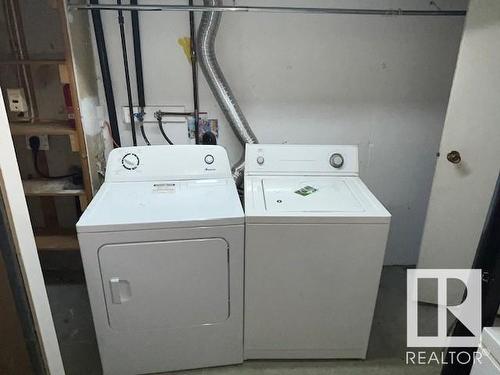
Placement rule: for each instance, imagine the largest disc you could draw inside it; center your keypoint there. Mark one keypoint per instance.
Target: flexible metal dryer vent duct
(207, 32)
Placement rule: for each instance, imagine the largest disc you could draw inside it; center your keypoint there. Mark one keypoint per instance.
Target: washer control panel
(287, 159)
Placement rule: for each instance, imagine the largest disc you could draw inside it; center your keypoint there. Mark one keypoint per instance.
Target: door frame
(24, 241)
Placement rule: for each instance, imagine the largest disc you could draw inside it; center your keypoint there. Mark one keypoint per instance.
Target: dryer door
(167, 284)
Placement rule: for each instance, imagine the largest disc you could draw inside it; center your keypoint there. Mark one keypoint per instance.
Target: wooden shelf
(59, 242)
(46, 128)
(33, 62)
(51, 188)
(42, 128)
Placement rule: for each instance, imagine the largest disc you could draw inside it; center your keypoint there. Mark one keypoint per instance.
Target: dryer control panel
(160, 163)
(285, 159)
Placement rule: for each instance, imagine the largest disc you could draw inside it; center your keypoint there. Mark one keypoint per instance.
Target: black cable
(106, 75)
(35, 147)
(138, 69)
(160, 125)
(138, 56)
(44, 175)
(208, 138)
(146, 140)
(127, 73)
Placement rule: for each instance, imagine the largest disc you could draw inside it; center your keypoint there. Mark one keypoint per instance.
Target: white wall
(378, 81)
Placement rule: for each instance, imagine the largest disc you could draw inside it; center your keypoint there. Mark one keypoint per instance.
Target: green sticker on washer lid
(306, 190)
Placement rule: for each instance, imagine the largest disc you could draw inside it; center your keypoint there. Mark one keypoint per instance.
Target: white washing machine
(488, 362)
(162, 249)
(315, 243)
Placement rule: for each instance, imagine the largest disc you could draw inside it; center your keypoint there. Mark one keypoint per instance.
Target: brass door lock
(454, 157)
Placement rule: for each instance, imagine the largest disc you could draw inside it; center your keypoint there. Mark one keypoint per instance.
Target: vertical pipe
(138, 70)
(106, 75)
(194, 74)
(127, 74)
(138, 56)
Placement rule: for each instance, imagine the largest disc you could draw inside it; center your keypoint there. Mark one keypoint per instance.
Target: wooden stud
(74, 97)
(64, 74)
(83, 202)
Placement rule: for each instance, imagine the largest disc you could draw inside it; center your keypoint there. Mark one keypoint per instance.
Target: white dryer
(315, 244)
(162, 249)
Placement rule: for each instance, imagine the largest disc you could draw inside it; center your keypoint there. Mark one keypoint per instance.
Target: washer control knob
(209, 159)
(336, 160)
(130, 161)
(260, 160)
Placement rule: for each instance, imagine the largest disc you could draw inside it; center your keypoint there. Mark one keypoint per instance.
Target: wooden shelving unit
(52, 237)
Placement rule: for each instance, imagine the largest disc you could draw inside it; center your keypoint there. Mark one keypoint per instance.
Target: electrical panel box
(17, 100)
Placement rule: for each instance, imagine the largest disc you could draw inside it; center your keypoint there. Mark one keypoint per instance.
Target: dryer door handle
(120, 290)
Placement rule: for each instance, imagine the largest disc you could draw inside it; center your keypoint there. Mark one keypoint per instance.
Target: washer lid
(162, 204)
(309, 195)
(299, 199)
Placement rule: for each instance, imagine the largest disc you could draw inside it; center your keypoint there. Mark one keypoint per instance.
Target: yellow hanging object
(185, 43)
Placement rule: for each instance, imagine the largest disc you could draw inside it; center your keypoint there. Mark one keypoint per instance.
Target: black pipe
(138, 56)
(144, 136)
(127, 73)
(194, 74)
(106, 75)
(160, 125)
(138, 69)
(488, 261)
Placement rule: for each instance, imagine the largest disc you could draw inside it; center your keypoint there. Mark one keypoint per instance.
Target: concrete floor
(386, 354)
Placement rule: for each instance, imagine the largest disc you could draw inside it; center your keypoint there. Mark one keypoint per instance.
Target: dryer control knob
(130, 161)
(209, 159)
(336, 160)
(260, 160)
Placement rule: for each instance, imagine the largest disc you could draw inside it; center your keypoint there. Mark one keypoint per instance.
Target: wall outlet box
(44, 141)
(17, 100)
